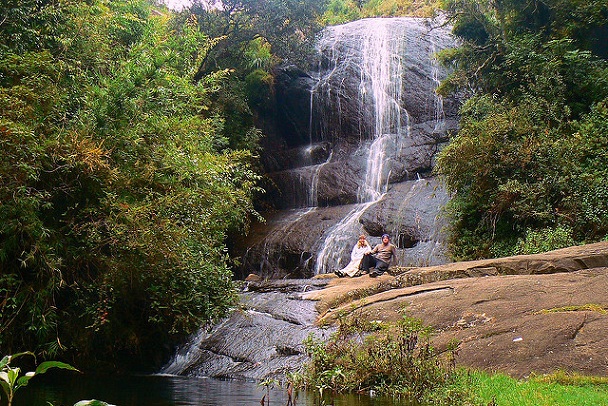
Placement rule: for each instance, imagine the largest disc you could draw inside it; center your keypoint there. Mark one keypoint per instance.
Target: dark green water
(65, 390)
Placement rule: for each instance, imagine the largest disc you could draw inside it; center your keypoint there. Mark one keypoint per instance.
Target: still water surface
(163, 390)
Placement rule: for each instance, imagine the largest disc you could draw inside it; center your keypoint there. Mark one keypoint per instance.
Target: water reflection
(162, 390)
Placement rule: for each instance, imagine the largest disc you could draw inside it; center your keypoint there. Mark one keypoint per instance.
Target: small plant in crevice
(389, 359)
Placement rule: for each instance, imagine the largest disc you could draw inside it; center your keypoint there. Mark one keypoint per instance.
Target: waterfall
(378, 50)
(355, 157)
(185, 356)
(331, 256)
(359, 130)
(313, 198)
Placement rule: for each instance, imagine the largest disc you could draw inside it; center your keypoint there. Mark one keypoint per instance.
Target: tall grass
(394, 360)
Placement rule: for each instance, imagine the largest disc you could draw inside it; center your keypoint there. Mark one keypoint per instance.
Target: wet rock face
(292, 93)
(263, 339)
(345, 104)
(287, 245)
(352, 137)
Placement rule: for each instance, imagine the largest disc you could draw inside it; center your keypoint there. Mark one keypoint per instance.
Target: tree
(531, 83)
(118, 187)
(287, 26)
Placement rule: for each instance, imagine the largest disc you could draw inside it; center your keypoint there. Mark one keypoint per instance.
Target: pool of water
(165, 390)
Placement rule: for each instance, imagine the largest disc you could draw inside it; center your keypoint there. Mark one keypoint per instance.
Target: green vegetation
(11, 378)
(558, 389)
(396, 360)
(589, 307)
(343, 11)
(243, 27)
(126, 159)
(527, 170)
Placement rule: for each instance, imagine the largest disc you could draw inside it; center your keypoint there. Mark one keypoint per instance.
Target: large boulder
(519, 315)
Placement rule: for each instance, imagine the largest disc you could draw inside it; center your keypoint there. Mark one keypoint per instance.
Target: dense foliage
(389, 359)
(528, 168)
(118, 181)
(343, 11)
(245, 27)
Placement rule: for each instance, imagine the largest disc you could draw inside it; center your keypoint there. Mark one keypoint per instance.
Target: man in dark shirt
(379, 259)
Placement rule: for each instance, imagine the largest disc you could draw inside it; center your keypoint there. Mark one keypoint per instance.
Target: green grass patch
(550, 390)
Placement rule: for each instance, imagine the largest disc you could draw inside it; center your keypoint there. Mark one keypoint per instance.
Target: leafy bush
(548, 239)
(118, 183)
(11, 378)
(530, 154)
(391, 360)
(343, 11)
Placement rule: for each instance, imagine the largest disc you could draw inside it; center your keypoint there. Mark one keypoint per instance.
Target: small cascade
(436, 98)
(186, 356)
(313, 197)
(376, 175)
(332, 255)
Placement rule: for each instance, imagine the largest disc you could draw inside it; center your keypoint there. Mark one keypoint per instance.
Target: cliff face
(518, 315)
(351, 149)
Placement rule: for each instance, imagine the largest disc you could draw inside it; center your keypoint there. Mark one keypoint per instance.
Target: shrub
(395, 360)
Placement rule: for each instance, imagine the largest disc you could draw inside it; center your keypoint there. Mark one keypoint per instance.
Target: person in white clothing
(359, 250)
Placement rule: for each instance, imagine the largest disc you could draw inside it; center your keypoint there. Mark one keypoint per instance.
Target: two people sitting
(365, 260)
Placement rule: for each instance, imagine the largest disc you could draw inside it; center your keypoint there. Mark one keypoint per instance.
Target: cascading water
(377, 51)
(381, 50)
(374, 118)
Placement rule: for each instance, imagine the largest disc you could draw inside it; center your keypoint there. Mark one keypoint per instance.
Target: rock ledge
(519, 315)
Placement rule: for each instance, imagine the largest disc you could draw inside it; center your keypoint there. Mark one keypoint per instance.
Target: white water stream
(381, 48)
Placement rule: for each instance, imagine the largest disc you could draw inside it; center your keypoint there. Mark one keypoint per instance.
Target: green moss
(589, 307)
